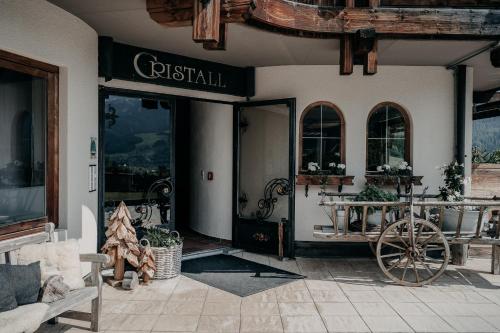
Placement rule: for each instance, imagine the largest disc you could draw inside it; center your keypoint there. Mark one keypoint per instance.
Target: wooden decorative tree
(147, 265)
(122, 241)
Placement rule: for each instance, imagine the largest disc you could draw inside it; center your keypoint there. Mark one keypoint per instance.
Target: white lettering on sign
(156, 69)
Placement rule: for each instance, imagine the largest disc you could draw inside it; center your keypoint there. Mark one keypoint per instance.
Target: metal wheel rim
(401, 281)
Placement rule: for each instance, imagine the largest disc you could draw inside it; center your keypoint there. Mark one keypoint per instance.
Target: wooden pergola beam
(221, 44)
(446, 23)
(206, 20)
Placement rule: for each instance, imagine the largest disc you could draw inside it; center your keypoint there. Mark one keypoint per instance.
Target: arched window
(388, 137)
(322, 136)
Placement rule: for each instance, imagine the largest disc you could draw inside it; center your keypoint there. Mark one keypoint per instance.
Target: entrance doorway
(264, 172)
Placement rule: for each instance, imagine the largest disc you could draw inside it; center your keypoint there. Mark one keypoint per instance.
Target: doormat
(236, 275)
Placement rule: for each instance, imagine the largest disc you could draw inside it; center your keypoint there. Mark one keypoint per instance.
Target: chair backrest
(8, 246)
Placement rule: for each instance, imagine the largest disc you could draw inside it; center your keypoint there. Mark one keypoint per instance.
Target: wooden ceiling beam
(370, 60)
(206, 20)
(442, 3)
(389, 22)
(346, 54)
(221, 44)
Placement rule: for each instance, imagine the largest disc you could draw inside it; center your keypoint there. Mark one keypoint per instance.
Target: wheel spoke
(396, 263)
(434, 260)
(429, 239)
(427, 268)
(392, 255)
(394, 245)
(406, 268)
(402, 240)
(415, 270)
(427, 249)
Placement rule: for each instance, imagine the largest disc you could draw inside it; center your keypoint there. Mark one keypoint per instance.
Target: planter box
(316, 180)
(381, 180)
(485, 180)
(469, 222)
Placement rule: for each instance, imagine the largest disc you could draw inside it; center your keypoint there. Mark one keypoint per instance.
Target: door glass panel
(264, 162)
(23, 141)
(137, 157)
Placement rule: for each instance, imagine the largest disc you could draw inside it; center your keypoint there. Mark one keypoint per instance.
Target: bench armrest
(95, 258)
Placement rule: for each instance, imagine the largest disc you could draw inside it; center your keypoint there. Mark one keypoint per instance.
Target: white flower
(386, 167)
(312, 166)
(467, 180)
(379, 168)
(341, 166)
(409, 168)
(331, 164)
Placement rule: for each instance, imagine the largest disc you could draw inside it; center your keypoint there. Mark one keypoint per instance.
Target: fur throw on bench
(23, 319)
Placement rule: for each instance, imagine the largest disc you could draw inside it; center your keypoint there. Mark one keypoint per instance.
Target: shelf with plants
(390, 175)
(334, 175)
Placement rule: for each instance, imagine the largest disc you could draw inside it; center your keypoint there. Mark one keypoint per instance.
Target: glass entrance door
(264, 177)
(138, 157)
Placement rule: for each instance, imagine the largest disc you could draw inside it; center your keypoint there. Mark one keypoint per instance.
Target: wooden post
(441, 218)
(370, 61)
(206, 20)
(364, 221)
(221, 44)
(459, 254)
(347, 209)
(382, 222)
(119, 268)
(495, 259)
(460, 221)
(479, 221)
(280, 240)
(96, 309)
(334, 219)
(346, 54)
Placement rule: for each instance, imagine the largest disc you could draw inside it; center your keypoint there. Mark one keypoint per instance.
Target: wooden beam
(346, 54)
(442, 3)
(221, 44)
(387, 22)
(370, 61)
(179, 13)
(206, 20)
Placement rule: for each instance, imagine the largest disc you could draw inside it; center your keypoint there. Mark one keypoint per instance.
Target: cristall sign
(125, 62)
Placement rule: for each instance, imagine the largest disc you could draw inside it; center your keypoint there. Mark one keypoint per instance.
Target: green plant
(480, 156)
(453, 176)
(374, 193)
(161, 238)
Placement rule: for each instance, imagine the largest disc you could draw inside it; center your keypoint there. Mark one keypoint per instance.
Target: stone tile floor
(339, 295)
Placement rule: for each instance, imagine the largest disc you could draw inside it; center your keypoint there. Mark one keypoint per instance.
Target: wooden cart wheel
(409, 267)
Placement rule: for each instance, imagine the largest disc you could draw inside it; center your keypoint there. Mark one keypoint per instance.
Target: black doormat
(235, 275)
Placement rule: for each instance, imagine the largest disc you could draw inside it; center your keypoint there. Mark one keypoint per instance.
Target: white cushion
(59, 258)
(23, 319)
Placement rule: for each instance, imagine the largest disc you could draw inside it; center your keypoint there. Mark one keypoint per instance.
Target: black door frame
(104, 92)
(290, 230)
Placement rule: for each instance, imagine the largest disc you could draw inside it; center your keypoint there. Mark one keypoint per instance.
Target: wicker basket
(167, 260)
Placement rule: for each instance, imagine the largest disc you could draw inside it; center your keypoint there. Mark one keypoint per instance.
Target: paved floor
(339, 295)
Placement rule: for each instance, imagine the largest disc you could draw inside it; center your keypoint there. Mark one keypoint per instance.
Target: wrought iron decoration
(280, 186)
(163, 189)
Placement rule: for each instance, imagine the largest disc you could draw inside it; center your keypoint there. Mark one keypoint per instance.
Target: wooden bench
(75, 298)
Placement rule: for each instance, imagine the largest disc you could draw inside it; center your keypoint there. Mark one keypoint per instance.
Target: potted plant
(335, 174)
(167, 250)
(375, 193)
(453, 177)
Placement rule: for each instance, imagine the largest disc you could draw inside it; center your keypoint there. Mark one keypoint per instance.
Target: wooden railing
(400, 208)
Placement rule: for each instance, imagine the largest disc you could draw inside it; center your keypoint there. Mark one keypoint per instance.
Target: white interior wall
(427, 93)
(42, 31)
(211, 149)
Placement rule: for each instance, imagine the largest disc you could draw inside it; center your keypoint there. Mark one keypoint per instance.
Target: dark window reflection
(321, 137)
(386, 137)
(136, 146)
(23, 114)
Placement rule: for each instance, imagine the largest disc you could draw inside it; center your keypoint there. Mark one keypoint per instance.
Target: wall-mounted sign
(126, 62)
(92, 177)
(93, 147)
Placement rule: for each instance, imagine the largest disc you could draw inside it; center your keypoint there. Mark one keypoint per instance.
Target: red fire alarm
(210, 175)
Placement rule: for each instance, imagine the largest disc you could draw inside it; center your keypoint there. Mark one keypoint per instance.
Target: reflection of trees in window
(322, 128)
(388, 138)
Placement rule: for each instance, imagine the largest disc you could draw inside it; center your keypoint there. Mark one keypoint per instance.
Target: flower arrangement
(336, 169)
(402, 169)
(453, 177)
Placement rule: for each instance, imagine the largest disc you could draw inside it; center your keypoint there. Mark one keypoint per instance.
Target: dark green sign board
(126, 62)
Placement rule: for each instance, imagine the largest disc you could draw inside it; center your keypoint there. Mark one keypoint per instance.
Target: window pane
(395, 123)
(310, 152)
(395, 151)
(331, 152)
(23, 113)
(331, 123)
(136, 146)
(376, 153)
(377, 124)
(312, 123)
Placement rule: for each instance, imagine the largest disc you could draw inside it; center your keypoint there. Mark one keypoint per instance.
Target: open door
(264, 172)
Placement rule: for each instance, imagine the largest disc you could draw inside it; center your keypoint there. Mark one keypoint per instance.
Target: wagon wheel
(409, 267)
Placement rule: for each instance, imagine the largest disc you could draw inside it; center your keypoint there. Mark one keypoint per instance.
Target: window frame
(301, 130)
(408, 131)
(49, 72)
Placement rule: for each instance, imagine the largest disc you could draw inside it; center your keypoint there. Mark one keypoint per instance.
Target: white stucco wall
(427, 93)
(42, 31)
(211, 149)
